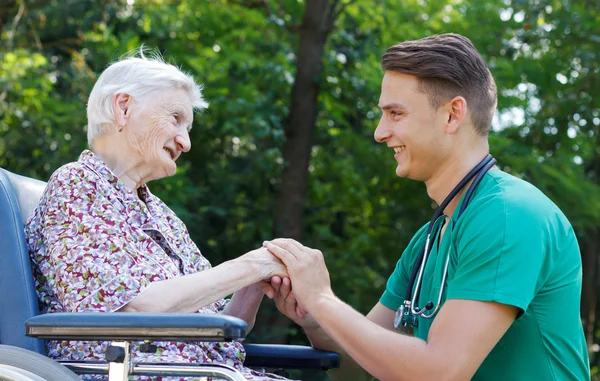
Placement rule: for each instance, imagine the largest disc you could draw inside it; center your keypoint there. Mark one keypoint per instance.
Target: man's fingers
(286, 282)
(283, 254)
(299, 311)
(275, 278)
(302, 310)
(290, 245)
(291, 301)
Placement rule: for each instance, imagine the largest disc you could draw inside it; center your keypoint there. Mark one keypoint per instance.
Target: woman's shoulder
(73, 176)
(72, 182)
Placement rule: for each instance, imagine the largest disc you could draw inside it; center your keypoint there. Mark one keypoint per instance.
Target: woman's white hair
(138, 77)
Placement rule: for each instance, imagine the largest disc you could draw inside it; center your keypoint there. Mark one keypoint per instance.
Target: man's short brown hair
(448, 65)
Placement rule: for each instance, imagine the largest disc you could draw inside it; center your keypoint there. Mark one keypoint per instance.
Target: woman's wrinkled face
(158, 131)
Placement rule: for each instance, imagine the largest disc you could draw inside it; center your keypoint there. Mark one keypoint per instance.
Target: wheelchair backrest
(19, 196)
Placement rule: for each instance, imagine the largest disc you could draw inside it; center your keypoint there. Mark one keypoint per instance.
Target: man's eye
(175, 115)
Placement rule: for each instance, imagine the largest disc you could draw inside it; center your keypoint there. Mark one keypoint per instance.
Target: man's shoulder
(514, 199)
(514, 209)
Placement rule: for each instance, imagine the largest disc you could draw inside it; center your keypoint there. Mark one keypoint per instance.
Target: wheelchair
(23, 329)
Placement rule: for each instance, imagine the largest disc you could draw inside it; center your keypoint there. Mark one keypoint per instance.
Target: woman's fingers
(267, 289)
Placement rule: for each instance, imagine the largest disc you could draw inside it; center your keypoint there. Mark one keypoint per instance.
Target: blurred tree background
(286, 147)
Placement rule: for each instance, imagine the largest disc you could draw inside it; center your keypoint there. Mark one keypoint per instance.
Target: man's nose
(183, 141)
(381, 133)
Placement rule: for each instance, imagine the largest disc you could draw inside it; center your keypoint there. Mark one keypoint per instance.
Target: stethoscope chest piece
(398, 317)
(404, 317)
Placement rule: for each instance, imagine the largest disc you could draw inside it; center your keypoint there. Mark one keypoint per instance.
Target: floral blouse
(95, 246)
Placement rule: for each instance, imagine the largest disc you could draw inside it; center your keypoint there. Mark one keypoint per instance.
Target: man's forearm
(349, 369)
(385, 355)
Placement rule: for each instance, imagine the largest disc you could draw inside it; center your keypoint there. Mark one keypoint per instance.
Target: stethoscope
(409, 312)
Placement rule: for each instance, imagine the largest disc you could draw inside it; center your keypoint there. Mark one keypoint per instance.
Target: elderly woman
(101, 241)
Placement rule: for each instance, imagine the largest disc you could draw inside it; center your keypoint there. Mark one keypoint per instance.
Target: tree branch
(253, 4)
(267, 8)
(15, 23)
(343, 6)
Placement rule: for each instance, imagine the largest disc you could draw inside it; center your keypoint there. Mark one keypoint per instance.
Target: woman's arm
(245, 302)
(191, 292)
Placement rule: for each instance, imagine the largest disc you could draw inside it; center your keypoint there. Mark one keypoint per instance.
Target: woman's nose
(183, 141)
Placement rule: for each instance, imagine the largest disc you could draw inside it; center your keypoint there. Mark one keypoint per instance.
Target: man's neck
(447, 177)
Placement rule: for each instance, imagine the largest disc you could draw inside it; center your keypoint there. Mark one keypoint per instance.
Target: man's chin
(401, 172)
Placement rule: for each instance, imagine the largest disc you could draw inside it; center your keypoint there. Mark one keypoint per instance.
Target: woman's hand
(281, 289)
(265, 263)
(306, 268)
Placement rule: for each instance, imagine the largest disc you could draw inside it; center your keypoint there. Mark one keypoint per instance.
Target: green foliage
(544, 56)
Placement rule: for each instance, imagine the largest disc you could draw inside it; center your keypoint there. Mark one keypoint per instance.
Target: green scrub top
(514, 246)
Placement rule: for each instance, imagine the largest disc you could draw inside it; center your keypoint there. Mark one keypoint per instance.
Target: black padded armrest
(289, 357)
(136, 326)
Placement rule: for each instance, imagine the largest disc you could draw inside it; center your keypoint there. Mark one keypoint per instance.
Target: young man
(508, 265)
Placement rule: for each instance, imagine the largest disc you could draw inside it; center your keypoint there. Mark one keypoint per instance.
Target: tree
(286, 146)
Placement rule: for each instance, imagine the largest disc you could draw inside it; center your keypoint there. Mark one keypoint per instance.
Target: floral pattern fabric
(95, 245)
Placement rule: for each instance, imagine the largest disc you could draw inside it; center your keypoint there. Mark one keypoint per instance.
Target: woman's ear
(121, 103)
(456, 110)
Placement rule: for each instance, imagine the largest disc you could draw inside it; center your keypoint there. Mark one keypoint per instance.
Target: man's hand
(286, 303)
(306, 268)
(265, 264)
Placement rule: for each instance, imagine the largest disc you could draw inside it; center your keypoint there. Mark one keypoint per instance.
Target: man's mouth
(399, 149)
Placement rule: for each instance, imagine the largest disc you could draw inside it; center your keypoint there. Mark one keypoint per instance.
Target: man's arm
(460, 338)
(349, 369)
(283, 296)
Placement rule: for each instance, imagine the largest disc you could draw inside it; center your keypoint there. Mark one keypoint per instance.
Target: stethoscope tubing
(417, 272)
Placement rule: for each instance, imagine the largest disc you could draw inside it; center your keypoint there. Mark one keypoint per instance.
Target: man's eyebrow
(392, 106)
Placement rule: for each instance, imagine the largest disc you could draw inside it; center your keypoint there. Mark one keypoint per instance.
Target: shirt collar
(93, 162)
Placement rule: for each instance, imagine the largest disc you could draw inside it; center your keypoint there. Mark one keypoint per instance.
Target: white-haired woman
(100, 241)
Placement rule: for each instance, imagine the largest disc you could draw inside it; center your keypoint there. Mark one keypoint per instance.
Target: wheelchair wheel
(28, 365)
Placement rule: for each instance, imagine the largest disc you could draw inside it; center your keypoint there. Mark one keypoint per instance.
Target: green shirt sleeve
(500, 252)
(397, 283)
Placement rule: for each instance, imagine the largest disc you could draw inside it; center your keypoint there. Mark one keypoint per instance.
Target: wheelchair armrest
(289, 357)
(136, 326)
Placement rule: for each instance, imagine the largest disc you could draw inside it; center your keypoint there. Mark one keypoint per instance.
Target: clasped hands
(306, 271)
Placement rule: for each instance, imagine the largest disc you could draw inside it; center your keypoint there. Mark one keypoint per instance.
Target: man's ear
(456, 110)
(120, 104)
